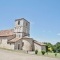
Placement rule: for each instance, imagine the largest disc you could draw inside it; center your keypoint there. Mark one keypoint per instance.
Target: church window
(26, 24)
(18, 22)
(10, 43)
(15, 27)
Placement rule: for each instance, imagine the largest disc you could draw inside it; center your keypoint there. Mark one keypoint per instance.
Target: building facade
(18, 38)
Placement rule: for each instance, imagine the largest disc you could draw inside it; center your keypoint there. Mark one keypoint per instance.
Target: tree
(58, 47)
(55, 48)
(49, 47)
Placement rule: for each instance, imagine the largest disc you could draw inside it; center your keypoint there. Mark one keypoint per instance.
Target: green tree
(49, 47)
(54, 48)
(58, 47)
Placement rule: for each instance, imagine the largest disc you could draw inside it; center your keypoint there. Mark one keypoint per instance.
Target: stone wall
(4, 44)
(22, 29)
(39, 47)
(18, 43)
(28, 44)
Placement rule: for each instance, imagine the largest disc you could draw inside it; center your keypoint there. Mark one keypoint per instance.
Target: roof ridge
(6, 29)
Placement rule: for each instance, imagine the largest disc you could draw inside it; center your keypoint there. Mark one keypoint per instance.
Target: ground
(10, 55)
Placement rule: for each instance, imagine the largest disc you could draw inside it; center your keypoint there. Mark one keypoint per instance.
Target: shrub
(43, 52)
(50, 49)
(55, 54)
(36, 51)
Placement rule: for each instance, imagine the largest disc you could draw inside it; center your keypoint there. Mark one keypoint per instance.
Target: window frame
(18, 22)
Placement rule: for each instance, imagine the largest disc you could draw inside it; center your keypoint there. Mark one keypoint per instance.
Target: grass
(39, 53)
(50, 54)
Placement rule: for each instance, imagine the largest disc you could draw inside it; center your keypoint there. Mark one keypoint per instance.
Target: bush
(43, 52)
(36, 51)
(55, 54)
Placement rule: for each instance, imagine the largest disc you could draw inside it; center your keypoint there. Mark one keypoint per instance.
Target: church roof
(14, 40)
(17, 39)
(21, 19)
(6, 32)
(39, 43)
(26, 37)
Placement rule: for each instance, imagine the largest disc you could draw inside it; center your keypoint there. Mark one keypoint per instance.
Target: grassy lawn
(50, 55)
(39, 53)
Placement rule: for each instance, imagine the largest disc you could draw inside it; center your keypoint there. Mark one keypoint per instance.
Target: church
(18, 38)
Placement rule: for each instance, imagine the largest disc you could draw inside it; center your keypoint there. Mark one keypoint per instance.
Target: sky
(43, 15)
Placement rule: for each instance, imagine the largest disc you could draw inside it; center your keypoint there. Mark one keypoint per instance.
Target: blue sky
(44, 16)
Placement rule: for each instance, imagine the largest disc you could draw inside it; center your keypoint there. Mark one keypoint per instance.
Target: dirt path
(9, 55)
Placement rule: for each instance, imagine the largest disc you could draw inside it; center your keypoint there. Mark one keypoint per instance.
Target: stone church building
(18, 38)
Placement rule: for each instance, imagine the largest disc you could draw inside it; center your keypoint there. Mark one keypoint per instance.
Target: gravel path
(10, 55)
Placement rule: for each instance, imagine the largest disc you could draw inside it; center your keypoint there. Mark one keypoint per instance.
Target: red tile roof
(39, 43)
(14, 40)
(6, 32)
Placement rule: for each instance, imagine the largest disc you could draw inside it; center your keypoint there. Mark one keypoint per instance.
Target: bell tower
(22, 27)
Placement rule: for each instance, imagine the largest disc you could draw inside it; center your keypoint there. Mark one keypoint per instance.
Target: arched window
(18, 22)
(26, 24)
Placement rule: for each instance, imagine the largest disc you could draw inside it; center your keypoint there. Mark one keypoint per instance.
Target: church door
(18, 46)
